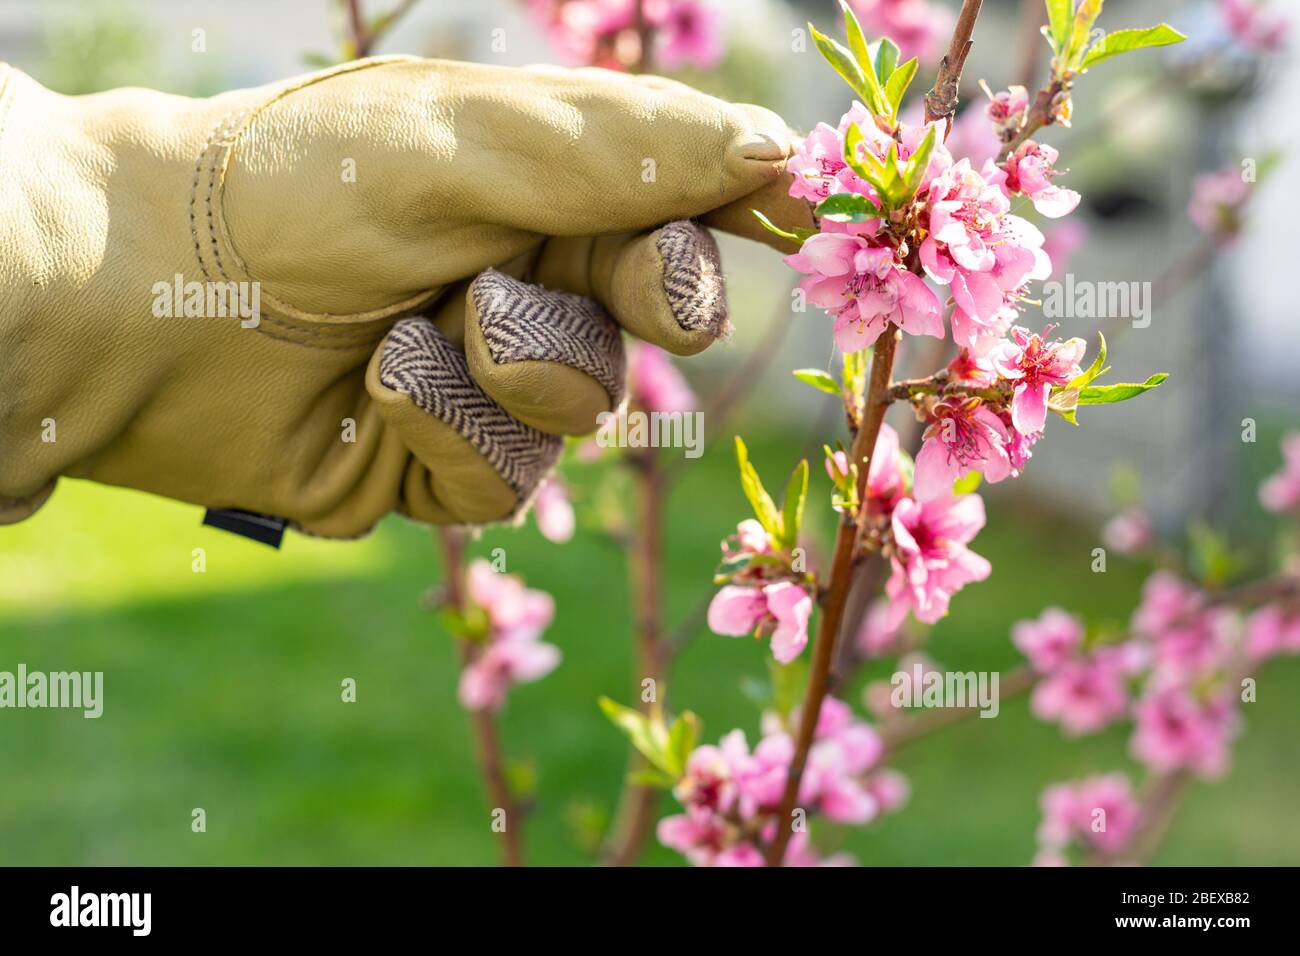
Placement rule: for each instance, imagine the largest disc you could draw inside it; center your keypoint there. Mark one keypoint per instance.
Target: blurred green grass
(223, 692)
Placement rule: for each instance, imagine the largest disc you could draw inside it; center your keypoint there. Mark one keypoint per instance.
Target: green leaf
(848, 207)
(843, 62)
(886, 59)
(788, 682)
(1084, 17)
(1063, 402)
(650, 777)
(917, 165)
(1121, 41)
(1120, 392)
(800, 234)
(1098, 366)
(639, 730)
(897, 84)
(792, 505)
(764, 508)
(968, 484)
(822, 381)
(1060, 18)
(681, 741)
(857, 39)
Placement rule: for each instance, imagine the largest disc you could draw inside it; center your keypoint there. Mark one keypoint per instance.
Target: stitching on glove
(521, 324)
(693, 278)
(420, 362)
(225, 138)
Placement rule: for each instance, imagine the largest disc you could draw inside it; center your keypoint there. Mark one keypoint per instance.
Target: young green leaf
(649, 777)
(897, 84)
(843, 62)
(681, 741)
(1122, 41)
(800, 234)
(1096, 369)
(764, 508)
(917, 165)
(886, 60)
(796, 493)
(1063, 402)
(967, 484)
(639, 730)
(857, 39)
(1085, 15)
(1119, 392)
(1060, 20)
(848, 207)
(818, 379)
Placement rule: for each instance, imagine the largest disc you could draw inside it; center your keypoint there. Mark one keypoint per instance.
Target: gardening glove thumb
(387, 286)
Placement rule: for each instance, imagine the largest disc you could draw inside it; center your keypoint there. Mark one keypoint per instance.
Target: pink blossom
(554, 511)
(1035, 365)
(1049, 641)
(1175, 730)
(982, 251)
(1218, 202)
(889, 788)
(885, 481)
(875, 638)
(837, 465)
(689, 33)
(1084, 695)
(698, 837)
(657, 385)
(964, 436)
(1271, 631)
(917, 27)
(930, 560)
(1281, 492)
(1008, 111)
(750, 539)
(1195, 644)
(1029, 172)
(1128, 532)
(783, 609)
(511, 652)
(1166, 599)
(865, 288)
(817, 163)
(1019, 446)
(1100, 812)
(1255, 25)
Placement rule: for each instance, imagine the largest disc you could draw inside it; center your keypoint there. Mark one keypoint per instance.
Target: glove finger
(552, 359)
(472, 461)
(665, 286)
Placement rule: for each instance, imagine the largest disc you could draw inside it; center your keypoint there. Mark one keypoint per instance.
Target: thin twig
(635, 816)
(451, 543)
(832, 609)
(941, 101)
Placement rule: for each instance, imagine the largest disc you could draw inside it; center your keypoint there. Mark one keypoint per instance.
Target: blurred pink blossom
(511, 652)
(657, 385)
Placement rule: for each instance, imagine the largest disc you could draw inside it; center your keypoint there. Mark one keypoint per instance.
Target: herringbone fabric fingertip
(521, 323)
(419, 361)
(693, 278)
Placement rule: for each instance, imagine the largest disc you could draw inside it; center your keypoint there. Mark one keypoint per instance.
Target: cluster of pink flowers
(1218, 203)
(1098, 814)
(1281, 492)
(608, 33)
(510, 652)
(730, 794)
(927, 538)
(760, 604)
(919, 28)
(962, 233)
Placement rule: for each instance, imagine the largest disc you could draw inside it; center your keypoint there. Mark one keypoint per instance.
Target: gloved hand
(443, 255)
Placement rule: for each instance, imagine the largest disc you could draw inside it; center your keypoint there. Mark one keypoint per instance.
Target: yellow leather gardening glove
(441, 255)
